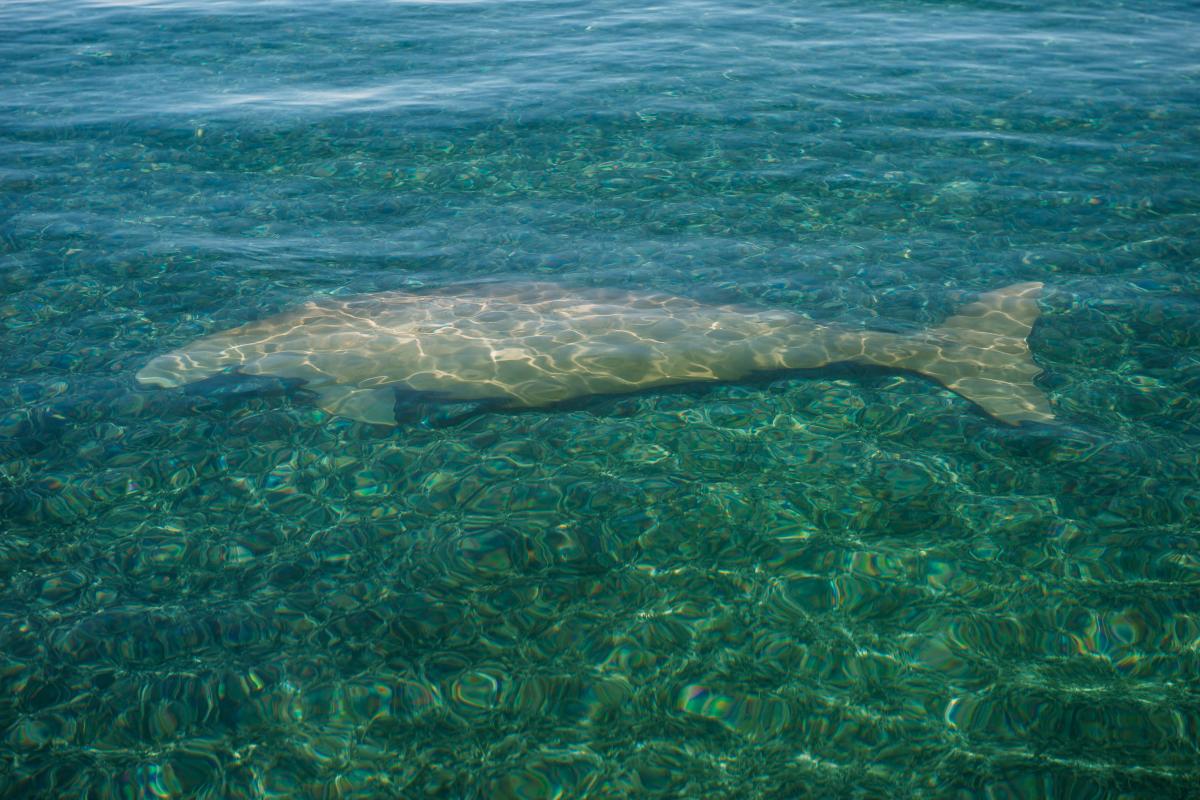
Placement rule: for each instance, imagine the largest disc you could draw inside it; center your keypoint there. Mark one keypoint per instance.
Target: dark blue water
(837, 583)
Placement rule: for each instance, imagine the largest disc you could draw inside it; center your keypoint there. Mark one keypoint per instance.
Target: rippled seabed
(832, 584)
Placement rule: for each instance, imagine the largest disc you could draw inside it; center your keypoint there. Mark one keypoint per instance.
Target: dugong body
(529, 345)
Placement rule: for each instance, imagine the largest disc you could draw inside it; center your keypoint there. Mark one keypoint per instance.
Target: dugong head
(182, 367)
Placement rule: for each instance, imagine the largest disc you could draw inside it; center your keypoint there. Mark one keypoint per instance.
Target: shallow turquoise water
(830, 584)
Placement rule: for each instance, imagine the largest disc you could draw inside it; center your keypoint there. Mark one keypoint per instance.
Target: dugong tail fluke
(528, 345)
(982, 353)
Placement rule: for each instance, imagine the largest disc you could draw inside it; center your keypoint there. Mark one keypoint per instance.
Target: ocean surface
(836, 583)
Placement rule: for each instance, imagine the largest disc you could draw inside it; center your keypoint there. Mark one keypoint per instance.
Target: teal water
(830, 584)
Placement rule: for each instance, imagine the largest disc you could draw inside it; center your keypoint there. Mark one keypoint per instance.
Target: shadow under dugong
(530, 345)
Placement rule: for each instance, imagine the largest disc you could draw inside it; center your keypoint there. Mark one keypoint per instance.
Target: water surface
(829, 584)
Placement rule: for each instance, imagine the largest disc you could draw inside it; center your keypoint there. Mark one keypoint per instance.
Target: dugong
(529, 345)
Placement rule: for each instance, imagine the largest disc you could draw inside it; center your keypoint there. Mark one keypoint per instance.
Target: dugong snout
(162, 372)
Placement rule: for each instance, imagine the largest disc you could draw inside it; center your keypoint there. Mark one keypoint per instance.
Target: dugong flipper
(530, 345)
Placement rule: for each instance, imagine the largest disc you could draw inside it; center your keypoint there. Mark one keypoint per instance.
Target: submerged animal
(530, 345)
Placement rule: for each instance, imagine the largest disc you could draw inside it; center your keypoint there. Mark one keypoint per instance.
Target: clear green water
(836, 584)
